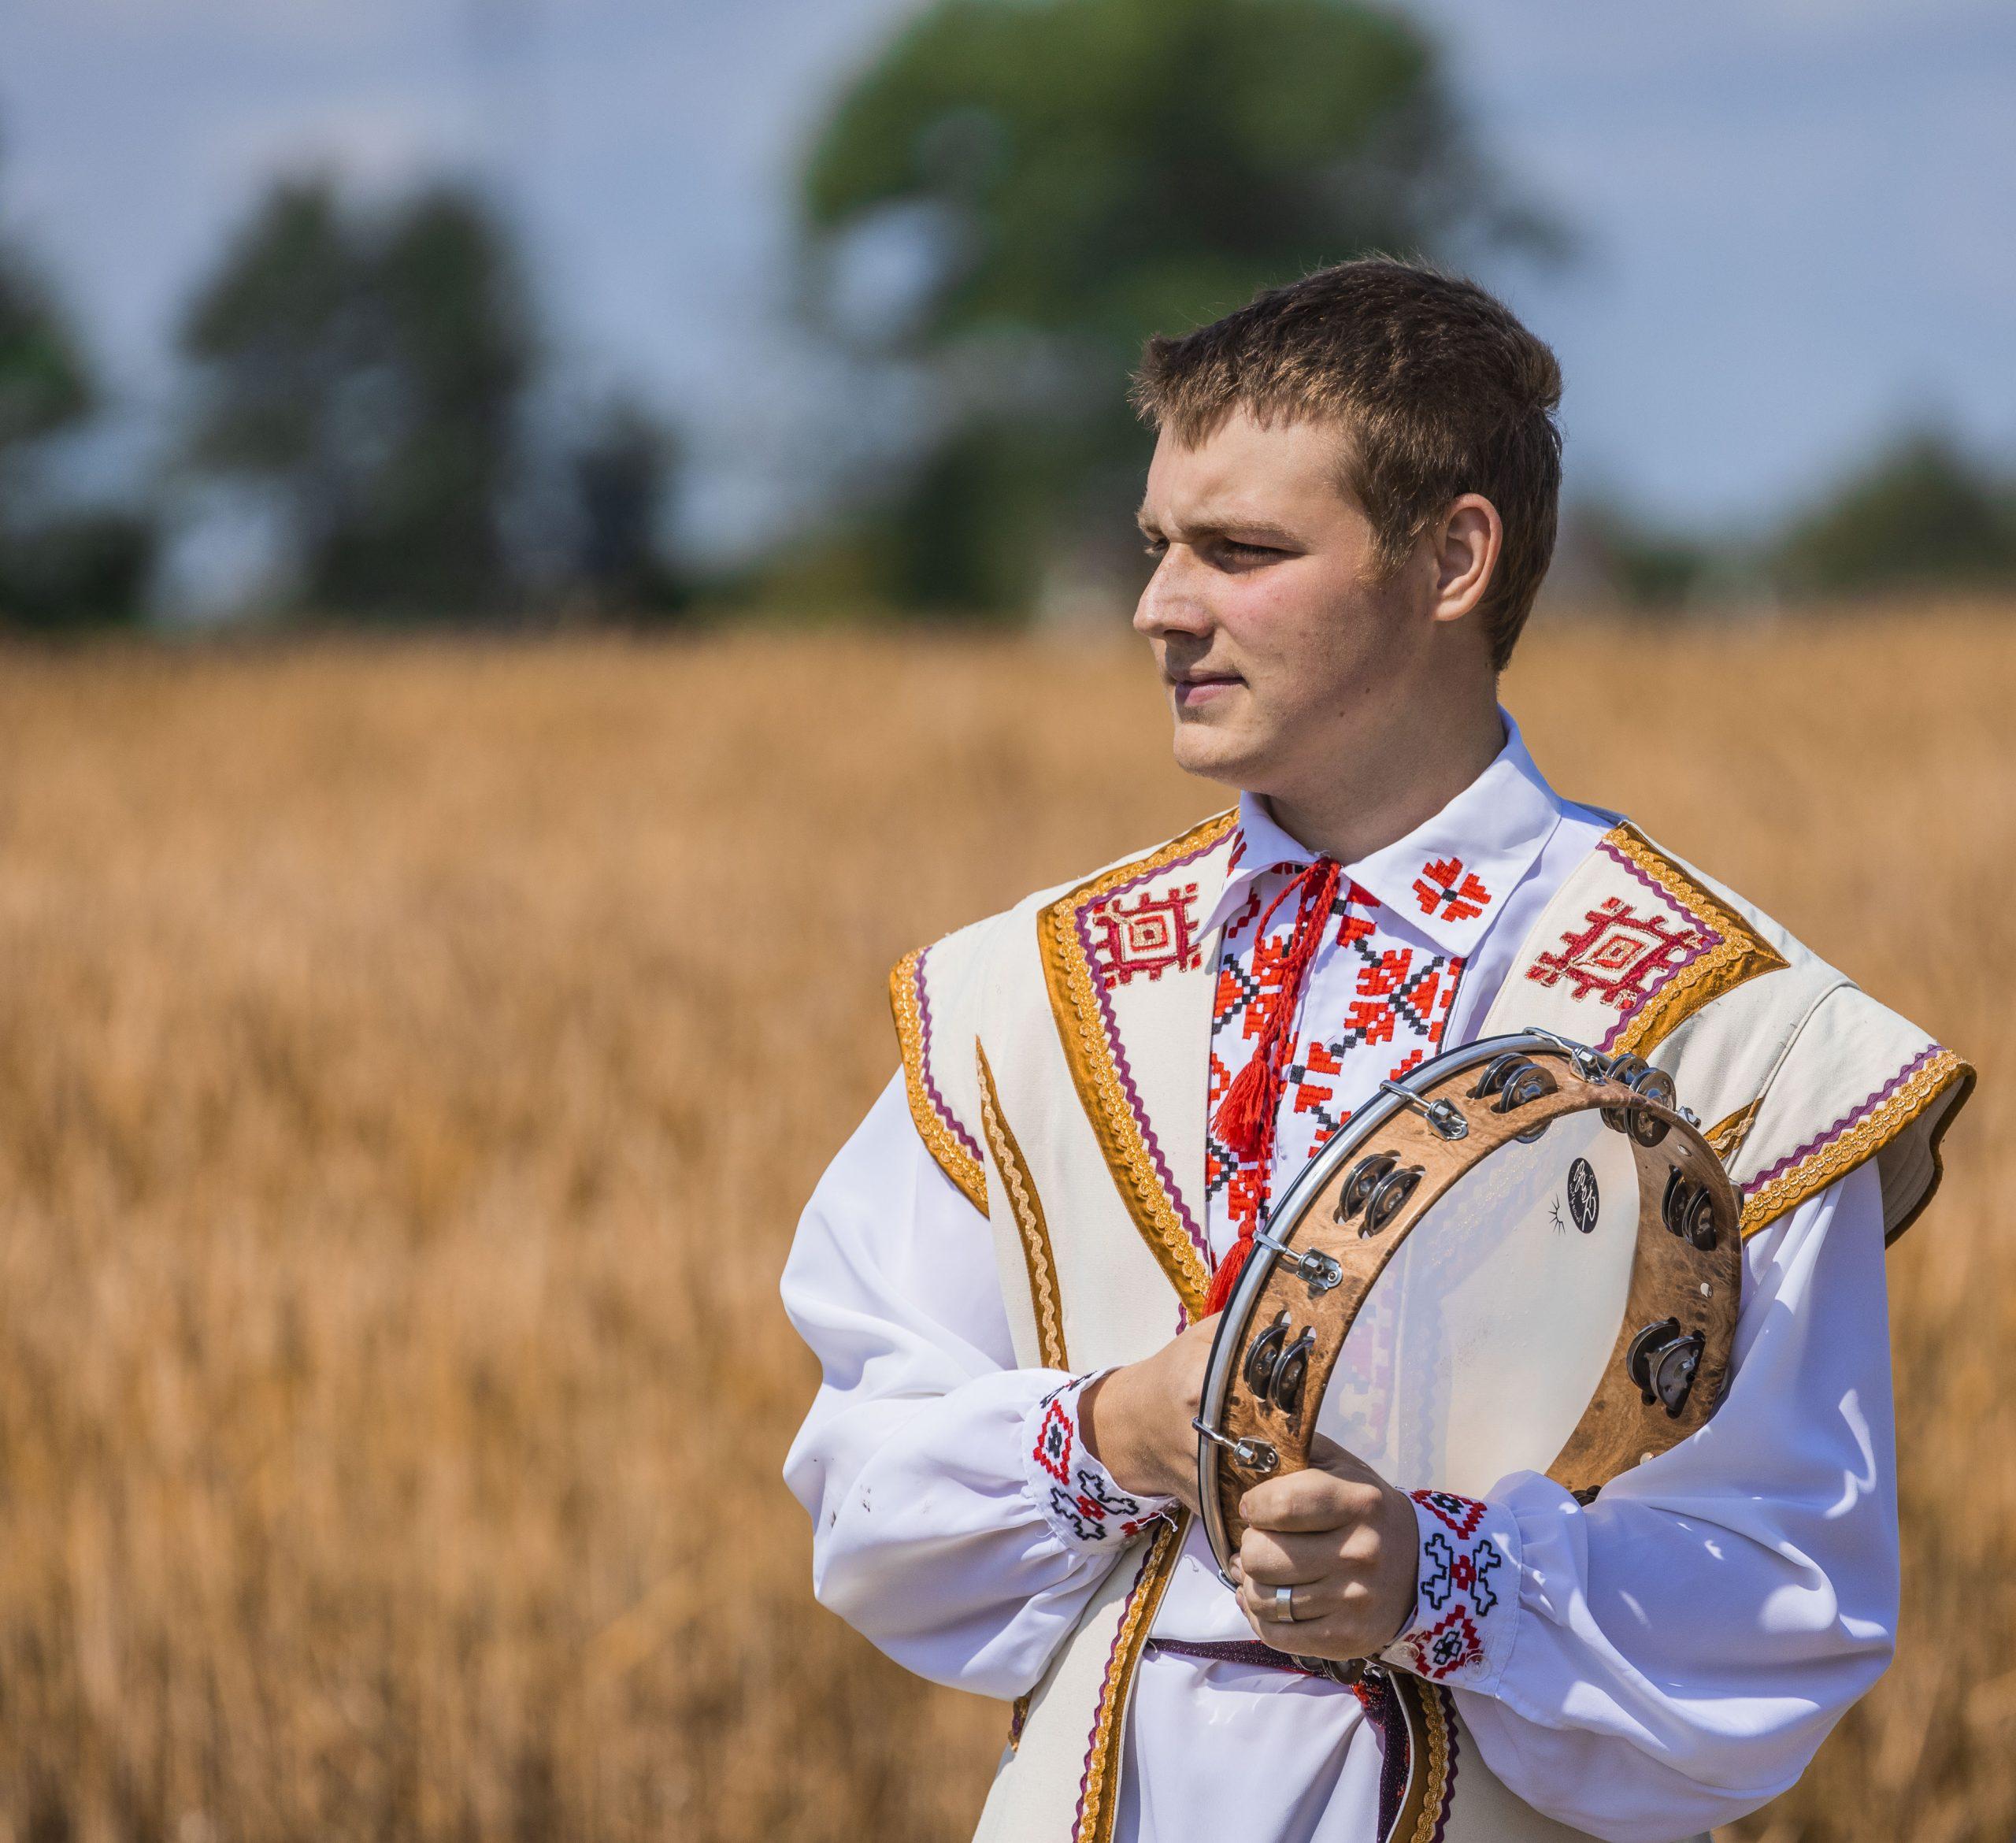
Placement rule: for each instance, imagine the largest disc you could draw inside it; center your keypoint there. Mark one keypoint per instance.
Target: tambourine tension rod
(1255, 1455)
(1318, 1271)
(1445, 1119)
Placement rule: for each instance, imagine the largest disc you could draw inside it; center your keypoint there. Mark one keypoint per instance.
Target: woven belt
(1252, 1652)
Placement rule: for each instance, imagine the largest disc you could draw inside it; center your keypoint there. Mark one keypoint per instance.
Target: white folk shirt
(1646, 1667)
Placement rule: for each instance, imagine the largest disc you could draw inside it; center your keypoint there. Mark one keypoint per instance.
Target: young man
(1007, 1272)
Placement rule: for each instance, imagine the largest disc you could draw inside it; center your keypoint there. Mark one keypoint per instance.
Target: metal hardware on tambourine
(1251, 1456)
(1276, 1369)
(1445, 1118)
(1662, 1360)
(1513, 1081)
(1388, 1195)
(1590, 1065)
(1318, 1271)
(1264, 1354)
(1689, 1211)
(1356, 1190)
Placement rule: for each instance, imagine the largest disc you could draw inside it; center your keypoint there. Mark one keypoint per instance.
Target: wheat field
(413, 1060)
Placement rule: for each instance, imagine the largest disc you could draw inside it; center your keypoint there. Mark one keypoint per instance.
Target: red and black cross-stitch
(1052, 1449)
(1455, 1585)
(1400, 994)
(1445, 887)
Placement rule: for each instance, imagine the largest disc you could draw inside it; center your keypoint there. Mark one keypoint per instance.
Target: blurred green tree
(1922, 513)
(66, 568)
(621, 471)
(372, 368)
(1077, 174)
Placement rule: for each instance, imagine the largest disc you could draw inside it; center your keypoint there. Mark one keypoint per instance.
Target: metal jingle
(1644, 1351)
(1625, 1070)
(1656, 1086)
(1645, 1127)
(1698, 1222)
(1292, 1372)
(1673, 1371)
(1388, 1195)
(1679, 1199)
(1524, 1087)
(1264, 1358)
(1498, 1072)
(1364, 1179)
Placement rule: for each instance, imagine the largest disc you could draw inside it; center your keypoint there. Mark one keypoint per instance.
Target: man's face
(1271, 632)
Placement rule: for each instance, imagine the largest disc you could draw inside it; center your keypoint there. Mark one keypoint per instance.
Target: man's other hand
(1345, 1541)
(1136, 1418)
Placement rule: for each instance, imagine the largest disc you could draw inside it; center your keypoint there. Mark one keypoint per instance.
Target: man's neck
(1371, 799)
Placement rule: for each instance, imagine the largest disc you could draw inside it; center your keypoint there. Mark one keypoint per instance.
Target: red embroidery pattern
(1462, 1514)
(1081, 1497)
(1446, 1646)
(1445, 885)
(1053, 1448)
(1159, 932)
(1617, 957)
(1455, 1592)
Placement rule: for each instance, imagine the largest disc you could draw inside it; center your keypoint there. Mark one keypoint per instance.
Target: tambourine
(1523, 1256)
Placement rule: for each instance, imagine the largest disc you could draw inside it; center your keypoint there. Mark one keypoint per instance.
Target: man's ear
(1465, 545)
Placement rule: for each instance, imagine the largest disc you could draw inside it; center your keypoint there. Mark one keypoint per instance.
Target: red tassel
(1227, 1277)
(1244, 1121)
(1241, 1120)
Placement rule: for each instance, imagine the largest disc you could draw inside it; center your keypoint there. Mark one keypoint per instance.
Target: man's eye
(1242, 549)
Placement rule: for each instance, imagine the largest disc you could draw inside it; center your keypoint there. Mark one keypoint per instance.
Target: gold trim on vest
(946, 1140)
(1858, 1135)
(1096, 1802)
(1097, 1060)
(1432, 1770)
(1029, 1223)
(1725, 1138)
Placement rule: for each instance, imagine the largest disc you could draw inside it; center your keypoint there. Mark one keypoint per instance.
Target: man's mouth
(1192, 690)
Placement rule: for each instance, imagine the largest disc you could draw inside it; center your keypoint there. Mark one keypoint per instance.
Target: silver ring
(1284, 1605)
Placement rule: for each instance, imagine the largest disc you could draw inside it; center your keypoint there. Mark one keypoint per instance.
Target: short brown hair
(1439, 390)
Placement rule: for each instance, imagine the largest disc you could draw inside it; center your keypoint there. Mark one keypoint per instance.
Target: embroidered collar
(1450, 876)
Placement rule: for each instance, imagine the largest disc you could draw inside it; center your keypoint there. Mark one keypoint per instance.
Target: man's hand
(1347, 1543)
(1136, 1418)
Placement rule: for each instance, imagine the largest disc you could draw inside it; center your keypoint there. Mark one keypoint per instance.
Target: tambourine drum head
(1479, 1345)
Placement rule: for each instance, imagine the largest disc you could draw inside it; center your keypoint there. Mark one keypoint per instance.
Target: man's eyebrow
(1221, 524)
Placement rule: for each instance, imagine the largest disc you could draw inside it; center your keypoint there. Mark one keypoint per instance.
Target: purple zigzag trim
(1118, 1051)
(1846, 1121)
(1709, 938)
(1449, 1781)
(924, 1059)
(1098, 1708)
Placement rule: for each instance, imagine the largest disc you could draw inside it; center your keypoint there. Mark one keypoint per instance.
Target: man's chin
(1213, 754)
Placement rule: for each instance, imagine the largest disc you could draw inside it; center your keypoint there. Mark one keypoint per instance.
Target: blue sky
(1798, 216)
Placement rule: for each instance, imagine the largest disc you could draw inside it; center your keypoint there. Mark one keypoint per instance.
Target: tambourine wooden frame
(1670, 1277)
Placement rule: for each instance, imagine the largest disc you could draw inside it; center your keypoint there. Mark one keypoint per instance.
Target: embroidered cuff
(1466, 1601)
(1085, 1507)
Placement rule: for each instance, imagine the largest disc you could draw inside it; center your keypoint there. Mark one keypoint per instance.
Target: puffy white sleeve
(957, 1522)
(1670, 1657)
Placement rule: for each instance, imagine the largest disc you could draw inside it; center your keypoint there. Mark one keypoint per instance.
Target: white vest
(1055, 1055)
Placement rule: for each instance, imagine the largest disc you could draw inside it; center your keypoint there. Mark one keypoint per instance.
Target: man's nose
(1170, 601)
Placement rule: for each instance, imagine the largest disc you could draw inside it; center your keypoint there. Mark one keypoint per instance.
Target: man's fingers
(1272, 1557)
(1309, 1500)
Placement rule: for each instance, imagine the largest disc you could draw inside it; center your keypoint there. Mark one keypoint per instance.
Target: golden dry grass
(412, 1061)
